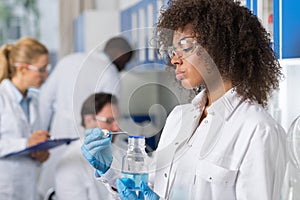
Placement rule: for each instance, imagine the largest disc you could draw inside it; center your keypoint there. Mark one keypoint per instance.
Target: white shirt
(237, 152)
(74, 178)
(75, 78)
(18, 177)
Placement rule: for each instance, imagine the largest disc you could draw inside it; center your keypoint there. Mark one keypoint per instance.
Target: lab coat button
(166, 175)
(176, 143)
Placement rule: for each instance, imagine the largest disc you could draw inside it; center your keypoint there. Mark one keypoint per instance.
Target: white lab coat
(74, 78)
(18, 177)
(74, 178)
(237, 152)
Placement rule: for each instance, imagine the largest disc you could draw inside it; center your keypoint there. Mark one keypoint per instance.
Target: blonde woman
(22, 65)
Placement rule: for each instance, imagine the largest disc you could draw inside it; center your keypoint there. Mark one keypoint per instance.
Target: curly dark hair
(233, 37)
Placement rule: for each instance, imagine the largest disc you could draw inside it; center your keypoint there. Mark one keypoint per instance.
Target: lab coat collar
(225, 105)
(17, 94)
(221, 110)
(201, 99)
(16, 97)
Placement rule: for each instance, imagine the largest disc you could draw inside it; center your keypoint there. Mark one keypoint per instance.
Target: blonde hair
(25, 50)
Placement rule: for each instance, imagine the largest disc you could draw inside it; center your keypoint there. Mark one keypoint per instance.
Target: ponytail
(5, 68)
(25, 50)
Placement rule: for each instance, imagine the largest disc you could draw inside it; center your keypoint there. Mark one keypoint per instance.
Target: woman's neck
(19, 85)
(214, 95)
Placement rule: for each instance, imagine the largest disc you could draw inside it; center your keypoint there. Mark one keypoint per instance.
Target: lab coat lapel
(189, 121)
(32, 112)
(165, 157)
(213, 135)
(220, 111)
(16, 105)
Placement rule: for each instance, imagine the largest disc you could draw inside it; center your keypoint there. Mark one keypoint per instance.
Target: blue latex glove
(97, 150)
(148, 192)
(125, 185)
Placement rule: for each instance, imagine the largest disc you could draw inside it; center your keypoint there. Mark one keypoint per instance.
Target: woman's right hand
(97, 149)
(37, 137)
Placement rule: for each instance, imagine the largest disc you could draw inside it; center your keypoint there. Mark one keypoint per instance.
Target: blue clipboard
(49, 144)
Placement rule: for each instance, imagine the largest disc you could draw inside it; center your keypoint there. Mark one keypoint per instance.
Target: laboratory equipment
(293, 140)
(134, 165)
(293, 147)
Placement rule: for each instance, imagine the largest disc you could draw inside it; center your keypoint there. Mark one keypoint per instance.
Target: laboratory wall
(92, 29)
(92, 26)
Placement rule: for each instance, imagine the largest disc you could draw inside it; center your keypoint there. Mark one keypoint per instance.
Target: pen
(50, 137)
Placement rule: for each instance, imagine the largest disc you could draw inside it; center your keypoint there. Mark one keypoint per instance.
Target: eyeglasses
(108, 120)
(34, 68)
(184, 48)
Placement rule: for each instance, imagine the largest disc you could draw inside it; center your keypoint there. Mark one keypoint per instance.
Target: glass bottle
(134, 165)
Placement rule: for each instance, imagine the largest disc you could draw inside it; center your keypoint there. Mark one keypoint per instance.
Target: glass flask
(134, 164)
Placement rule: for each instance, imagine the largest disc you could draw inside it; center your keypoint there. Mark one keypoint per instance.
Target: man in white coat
(74, 175)
(74, 78)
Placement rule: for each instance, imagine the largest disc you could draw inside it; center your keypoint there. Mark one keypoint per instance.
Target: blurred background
(67, 26)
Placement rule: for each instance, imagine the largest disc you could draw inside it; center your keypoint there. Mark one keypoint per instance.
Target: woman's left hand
(125, 186)
(40, 156)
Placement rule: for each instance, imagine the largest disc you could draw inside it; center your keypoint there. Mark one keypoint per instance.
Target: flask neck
(136, 140)
(136, 158)
(136, 144)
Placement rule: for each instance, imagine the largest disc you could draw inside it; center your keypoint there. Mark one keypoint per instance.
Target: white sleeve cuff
(110, 176)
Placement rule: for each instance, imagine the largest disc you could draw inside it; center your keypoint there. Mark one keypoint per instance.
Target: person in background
(23, 65)
(74, 78)
(77, 76)
(224, 145)
(74, 176)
